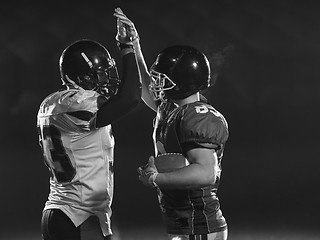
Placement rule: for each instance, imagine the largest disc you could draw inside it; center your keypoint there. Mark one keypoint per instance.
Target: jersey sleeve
(72, 110)
(202, 126)
(82, 110)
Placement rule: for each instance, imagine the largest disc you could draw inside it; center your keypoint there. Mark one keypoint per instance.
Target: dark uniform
(177, 130)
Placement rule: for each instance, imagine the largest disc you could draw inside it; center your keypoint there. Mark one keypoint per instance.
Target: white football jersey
(79, 156)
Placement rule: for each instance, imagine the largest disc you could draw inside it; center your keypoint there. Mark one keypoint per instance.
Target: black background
(267, 56)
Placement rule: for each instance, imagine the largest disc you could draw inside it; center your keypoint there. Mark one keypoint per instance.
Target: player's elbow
(209, 177)
(133, 98)
(131, 106)
(131, 101)
(135, 102)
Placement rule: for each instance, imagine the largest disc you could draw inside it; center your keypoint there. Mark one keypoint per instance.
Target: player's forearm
(143, 69)
(130, 90)
(129, 93)
(192, 176)
(145, 77)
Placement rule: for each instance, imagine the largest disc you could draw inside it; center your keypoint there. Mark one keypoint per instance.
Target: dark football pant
(55, 225)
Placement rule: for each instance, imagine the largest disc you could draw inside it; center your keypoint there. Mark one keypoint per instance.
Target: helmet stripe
(87, 59)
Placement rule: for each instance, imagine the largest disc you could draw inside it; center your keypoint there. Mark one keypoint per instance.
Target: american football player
(76, 137)
(189, 138)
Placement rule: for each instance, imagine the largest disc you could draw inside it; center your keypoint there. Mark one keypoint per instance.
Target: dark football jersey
(177, 130)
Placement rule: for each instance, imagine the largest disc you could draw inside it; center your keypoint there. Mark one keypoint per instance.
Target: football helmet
(178, 72)
(89, 65)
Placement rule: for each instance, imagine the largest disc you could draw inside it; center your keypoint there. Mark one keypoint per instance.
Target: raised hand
(126, 31)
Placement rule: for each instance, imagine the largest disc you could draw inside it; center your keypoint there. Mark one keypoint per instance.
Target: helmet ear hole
(82, 61)
(186, 67)
(86, 77)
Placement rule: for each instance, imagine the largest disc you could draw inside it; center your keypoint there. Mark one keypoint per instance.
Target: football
(170, 162)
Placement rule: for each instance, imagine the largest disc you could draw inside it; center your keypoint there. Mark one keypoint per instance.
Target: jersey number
(56, 158)
(205, 109)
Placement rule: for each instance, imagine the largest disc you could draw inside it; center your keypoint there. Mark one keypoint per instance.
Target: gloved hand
(126, 31)
(148, 173)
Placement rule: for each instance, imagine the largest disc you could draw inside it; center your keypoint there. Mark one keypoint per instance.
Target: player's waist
(80, 195)
(92, 206)
(207, 193)
(177, 200)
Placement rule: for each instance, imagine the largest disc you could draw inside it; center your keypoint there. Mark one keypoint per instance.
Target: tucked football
(170, 161)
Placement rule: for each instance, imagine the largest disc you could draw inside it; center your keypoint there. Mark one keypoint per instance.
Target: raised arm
(129, 93)
(143, 69)
(145, 79)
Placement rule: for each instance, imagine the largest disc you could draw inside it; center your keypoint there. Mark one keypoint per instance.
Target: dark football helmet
(89, 65)
(178, 72)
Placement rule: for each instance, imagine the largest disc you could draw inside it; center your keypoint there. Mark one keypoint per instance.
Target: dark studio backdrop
(267, 60)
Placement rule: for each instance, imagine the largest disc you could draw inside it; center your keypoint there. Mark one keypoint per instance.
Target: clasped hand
(127, 32)
(147, 172)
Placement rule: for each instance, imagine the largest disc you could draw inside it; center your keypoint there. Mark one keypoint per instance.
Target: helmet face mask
(178, 72)
(160, 82)
(105, 81)
(89, 65)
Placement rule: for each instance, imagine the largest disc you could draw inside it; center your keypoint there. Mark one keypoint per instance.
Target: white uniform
(79, 156)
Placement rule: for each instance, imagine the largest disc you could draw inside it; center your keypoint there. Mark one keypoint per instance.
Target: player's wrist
(122, 45)
(125, 48)
(129, 46)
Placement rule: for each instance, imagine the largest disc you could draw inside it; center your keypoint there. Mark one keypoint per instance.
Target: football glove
(126, 31)
(148, 173)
